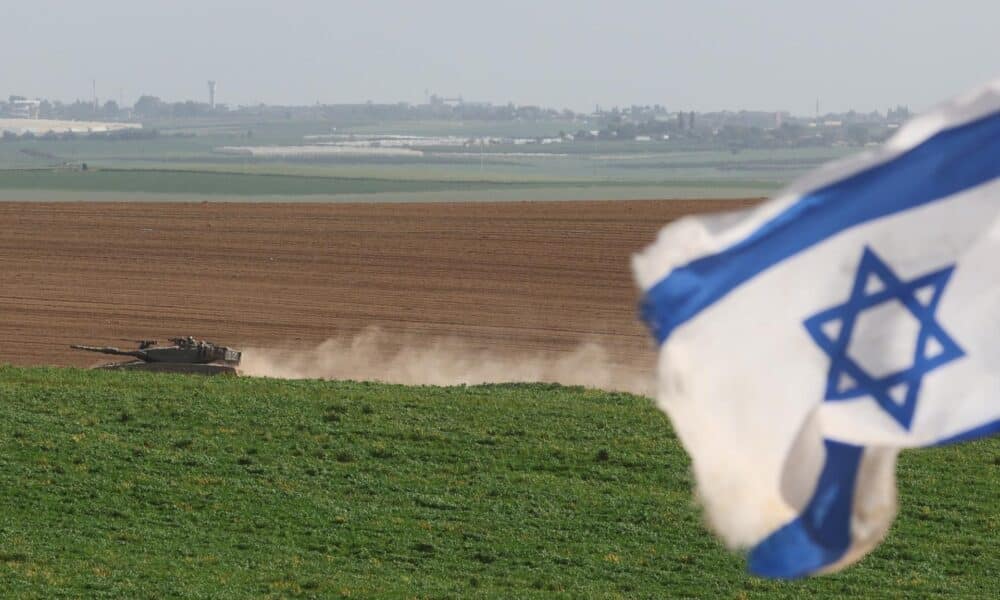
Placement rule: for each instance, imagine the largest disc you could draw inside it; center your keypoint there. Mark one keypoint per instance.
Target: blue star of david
(832, 328)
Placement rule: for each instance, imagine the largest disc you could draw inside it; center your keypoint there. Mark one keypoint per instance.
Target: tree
(148, 106)
(857, 134)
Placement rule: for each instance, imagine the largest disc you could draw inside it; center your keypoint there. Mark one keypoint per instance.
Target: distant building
(436, 100)
(20, 107)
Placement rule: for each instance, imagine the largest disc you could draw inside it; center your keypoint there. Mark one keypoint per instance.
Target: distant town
(22, 117)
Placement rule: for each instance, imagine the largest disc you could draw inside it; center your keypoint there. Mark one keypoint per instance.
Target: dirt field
(508, 277)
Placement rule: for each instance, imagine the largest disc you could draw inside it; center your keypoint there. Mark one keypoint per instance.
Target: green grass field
(132, 485)
(186, 163)
(222, 183)
(201, 183)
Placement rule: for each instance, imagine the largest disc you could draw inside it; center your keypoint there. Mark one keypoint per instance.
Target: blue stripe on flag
(949, 162)
(821, 535)
(985, 430)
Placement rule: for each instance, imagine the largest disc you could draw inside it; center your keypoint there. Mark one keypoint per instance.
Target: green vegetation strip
(218, 183)
(140, 485)
(194, 182)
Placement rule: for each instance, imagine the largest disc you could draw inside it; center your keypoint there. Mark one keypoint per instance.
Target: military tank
(184, 355)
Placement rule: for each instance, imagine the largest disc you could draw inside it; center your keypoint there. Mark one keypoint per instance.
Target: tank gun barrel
(110, 350)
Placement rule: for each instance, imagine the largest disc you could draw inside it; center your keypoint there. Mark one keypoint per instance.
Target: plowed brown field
(513, 277)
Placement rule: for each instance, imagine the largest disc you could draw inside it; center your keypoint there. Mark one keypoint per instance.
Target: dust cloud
(375, 355)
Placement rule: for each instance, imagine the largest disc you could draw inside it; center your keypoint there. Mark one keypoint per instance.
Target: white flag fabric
(805, 342)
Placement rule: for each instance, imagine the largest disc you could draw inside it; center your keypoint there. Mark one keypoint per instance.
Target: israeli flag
(805, 342)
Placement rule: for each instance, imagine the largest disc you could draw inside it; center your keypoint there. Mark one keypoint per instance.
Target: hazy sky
(700, 55)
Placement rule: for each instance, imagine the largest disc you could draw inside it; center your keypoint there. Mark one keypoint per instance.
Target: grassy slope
(136, 485)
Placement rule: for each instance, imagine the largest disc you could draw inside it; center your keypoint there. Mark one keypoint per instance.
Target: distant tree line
(117, 135)
(82, 111)
(151, 107)
(744, 129)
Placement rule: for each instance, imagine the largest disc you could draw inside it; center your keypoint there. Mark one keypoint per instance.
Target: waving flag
(805, 342)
